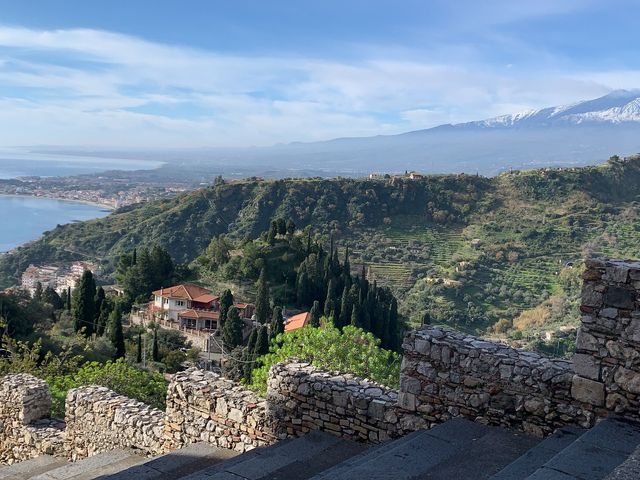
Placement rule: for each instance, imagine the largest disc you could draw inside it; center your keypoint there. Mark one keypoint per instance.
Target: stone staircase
(456, 450)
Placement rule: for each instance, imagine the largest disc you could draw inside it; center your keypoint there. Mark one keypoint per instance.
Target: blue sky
(195, 73)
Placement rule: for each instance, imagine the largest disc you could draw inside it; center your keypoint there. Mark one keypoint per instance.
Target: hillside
(469, 250)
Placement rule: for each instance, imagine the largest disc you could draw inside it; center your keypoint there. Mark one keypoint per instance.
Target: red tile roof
(296, 322)
(207, 315)
(206, 298)
(185, 291)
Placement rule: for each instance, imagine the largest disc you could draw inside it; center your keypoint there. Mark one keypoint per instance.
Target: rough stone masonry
(607, 360)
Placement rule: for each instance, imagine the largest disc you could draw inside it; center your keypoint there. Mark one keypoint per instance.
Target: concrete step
(293, 459)
(93, 467)
(537, 456)
(30, 468)
(178, 464)
(595, 454)
(412, 457)
(483, 457)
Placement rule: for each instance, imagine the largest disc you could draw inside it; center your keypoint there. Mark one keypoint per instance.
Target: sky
(197, 73)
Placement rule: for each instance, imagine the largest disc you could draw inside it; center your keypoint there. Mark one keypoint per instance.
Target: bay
(23, 219)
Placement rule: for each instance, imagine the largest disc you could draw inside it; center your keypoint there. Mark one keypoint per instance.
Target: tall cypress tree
(100, 298)
(253, 338)
(263, 308)
(226, 302)
(314, 314)
(155, 351)
(68, 299)
(232, 333)
(277, 322)
(329, 302)
(262, 342)
(84, 305)
(139, 353)
(116, 334)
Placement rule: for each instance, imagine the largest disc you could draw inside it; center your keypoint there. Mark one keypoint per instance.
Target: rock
(587, 391)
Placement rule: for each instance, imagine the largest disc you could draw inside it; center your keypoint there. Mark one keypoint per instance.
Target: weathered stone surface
(588, 391)
(586, 366)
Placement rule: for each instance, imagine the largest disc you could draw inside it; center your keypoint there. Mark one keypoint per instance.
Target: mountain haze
(578, 134)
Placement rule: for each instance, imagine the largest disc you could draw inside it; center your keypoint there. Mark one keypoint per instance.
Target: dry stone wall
(607, 360)
(446, 374)
(305, 398)
(204, 407)
(26, 431)
(99, 420)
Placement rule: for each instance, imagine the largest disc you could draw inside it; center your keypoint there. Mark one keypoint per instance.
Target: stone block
(586, 341)
(407, 401)
(628, 380)
(620, 297)
(587, 391)
(591, 297)
(587, 366)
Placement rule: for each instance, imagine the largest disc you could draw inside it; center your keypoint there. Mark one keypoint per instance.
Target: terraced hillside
(501, 253)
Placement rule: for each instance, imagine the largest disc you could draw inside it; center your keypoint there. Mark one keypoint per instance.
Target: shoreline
(106, 206)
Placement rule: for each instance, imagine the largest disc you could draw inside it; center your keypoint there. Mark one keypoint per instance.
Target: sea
(23, 219)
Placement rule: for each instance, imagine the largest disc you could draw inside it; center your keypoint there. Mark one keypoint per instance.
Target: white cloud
(89, 87)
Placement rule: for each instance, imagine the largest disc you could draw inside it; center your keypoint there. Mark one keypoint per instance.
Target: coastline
(106, 206)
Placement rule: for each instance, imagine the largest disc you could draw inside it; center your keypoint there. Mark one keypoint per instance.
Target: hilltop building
(57, 277)
(190, 309)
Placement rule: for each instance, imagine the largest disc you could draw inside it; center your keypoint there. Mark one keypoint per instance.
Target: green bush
(351, 350)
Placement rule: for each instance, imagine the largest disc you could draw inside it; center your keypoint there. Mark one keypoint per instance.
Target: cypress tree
(262, 298)
(155, 352)
(100, 298)
(116, 334)
(347, 266)
(134, 258)
(302, 292)
(262, 342)
(37, 294)
(345, 310)
(253, 338)
(226, 302)
(314, 314)
(329, 301)
(139, 353)
(277, 322)
(103, 318)
(232, 332)
(84, 305)
(273, 231)
(392, 335)
(291, 227)
(355, 316)
(68, 299)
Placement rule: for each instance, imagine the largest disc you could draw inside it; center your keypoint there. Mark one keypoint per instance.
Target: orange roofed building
(297, 321)
(191, 309)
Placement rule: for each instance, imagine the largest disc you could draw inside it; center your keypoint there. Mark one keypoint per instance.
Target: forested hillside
(473, 251)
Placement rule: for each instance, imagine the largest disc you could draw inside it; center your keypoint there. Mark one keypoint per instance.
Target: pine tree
(262, 343)
(232, 333)
(262, 298)
(226, 302)
(139, 353)
(155, 351)
(84, 305)
(277, 322)
(116, 334)
(314, 314)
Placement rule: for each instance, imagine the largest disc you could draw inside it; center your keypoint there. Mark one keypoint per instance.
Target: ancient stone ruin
(444, 374)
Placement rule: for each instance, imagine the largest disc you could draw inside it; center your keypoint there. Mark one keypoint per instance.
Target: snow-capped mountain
(617, 107)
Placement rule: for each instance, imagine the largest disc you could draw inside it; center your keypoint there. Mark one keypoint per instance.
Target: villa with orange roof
(191, 309)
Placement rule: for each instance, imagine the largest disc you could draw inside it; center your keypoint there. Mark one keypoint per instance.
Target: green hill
(468, 250)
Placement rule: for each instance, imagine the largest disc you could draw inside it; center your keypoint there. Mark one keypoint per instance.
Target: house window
(179, 303)
(165, 301)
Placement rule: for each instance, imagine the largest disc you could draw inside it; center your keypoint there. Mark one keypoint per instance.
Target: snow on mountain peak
(617, 106)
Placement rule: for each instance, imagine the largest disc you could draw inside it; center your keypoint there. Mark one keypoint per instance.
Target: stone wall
(305, 398)
(100, 420)
(446, 374)
(204, 407)
(26, 431)
(607, 360)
